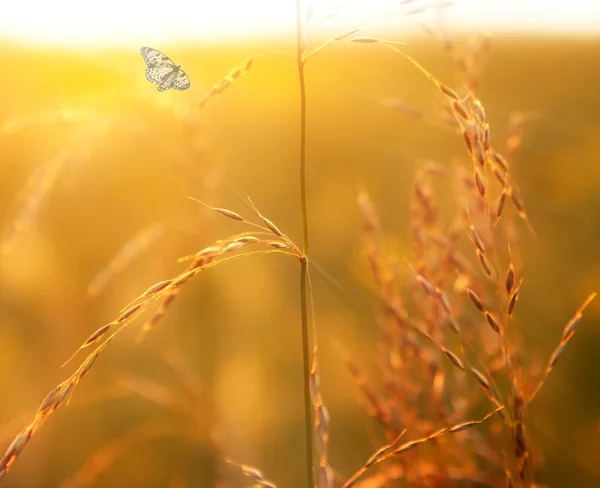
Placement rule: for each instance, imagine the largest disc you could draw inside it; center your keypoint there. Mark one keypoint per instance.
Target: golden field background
(131, 162)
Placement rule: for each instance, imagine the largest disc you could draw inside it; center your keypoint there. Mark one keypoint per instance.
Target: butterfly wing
(165, 85)
(153, 58)
(160, 74)
(180, 81)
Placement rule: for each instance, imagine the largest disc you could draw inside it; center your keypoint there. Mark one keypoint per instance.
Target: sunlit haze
(77, 22)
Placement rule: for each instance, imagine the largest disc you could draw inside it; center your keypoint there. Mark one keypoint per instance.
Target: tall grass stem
(304, 262)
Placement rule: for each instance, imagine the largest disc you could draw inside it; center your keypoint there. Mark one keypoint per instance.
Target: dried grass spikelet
(469, 141)
(273, 228)
(395, 449)
(239, 70)
(476, 239)
(509, 281)
(157, 287)
(493, 322)
(520, 206)
(479, 153)
(460, 109)
(253, 473)
(483, 380)
(500, 161)
(518, 426)
(486, 140)
(170, 291)
(513, 297)
(568, 332)
(230, 214)
(479, 111)
(444, 301)
(15, 448)
(486, 265)
(475, 299)
(365, 40)
(479, 182)
(426, 285)
(449, 92)
(50, 403)
(454, 358)
(518, 202)
(500, 204)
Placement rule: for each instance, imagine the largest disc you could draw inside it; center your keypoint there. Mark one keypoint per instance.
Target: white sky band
(133, 22)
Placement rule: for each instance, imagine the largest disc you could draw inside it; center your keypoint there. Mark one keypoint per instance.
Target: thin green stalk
(304, 260)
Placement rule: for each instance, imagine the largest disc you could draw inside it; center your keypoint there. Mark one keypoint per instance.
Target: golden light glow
(148, 21)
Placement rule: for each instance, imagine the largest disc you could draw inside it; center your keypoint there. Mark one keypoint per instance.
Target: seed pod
(483, 380)
(230, 214)
(460, 110)
(97, 335)
(501, 202)
(475, 299)
(453, 357)
(477, 240)
(479, 183)
(491, 320)
(512, 302)
(500, 161)
(449, 92)
(510, 278)
(487, 266)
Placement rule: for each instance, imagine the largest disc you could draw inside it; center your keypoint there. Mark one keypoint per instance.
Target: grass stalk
(304, 261)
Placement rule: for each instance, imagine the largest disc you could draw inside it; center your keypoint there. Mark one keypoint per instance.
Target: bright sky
(148, 21)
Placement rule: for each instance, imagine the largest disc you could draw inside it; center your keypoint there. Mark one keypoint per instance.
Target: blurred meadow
(93, 158)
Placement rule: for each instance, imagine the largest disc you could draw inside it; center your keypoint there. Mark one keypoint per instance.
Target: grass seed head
(230, 214)
(483, 379)
(449, 92)
(461, 110)
(475, 299)
(161, 285)
(468, 140)
(487, 266)
(512, 301)
(477, 240)
(97, 335)
(454, 358)
(492, 321)
(500, 205)
(479, 182)
(509, 282)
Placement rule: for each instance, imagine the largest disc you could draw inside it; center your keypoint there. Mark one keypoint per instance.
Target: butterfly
(163, 72)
